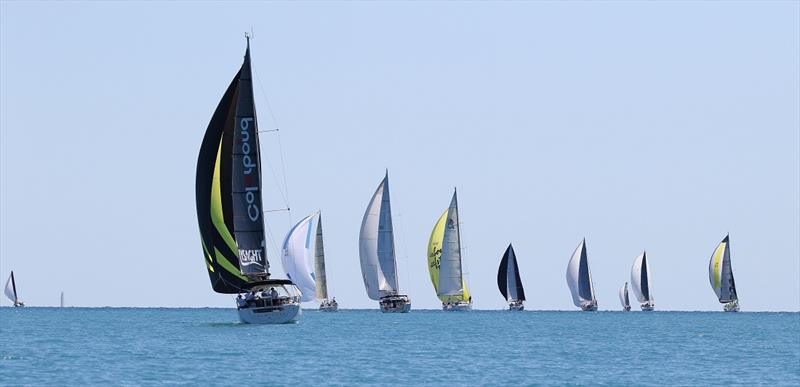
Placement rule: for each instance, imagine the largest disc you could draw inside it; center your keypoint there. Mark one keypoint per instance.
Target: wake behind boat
(579, 279)
(11, 291)
(509, 282)
(376, 253)
(720, 275)
(229, 210)
(444, 261)
(302, 250)
(641, 282)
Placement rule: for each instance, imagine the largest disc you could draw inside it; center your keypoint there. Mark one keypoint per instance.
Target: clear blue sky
(657, 125)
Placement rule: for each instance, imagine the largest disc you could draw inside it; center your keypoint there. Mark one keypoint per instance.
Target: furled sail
(376, 245)
(720, 273)
(508, 280)
(579, 277)
(299, 255)
(228, 190)
(623, 296)
(11, 289)
(444, 257)
(640, 278)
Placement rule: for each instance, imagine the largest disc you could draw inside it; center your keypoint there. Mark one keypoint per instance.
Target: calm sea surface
(76, 346)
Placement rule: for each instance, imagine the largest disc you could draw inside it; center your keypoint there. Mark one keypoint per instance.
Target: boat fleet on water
(231, 222)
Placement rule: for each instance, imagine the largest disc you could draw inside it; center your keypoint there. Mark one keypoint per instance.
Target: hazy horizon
(660, 126)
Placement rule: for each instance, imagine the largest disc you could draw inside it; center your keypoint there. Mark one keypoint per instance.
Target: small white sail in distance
(640, 278)
(623, 296)
(297, 255)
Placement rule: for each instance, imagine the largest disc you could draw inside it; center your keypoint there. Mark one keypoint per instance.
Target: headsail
(376, 245)
(319, 263)
(720, 273)
(444, 257)
(298, 253)
(640, 278)
(579, 277)
(508, 279)
(228, 190)
(11, 289)
(623, 296)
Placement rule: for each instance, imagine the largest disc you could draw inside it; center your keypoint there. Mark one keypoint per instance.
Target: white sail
(640, 279)
(579, 277)
(623, 296)
(319, 263)
(9, 291)
(297, 255)
(376, 245)
(450, 275)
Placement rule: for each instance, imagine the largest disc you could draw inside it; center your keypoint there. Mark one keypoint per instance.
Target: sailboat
(62, 299)
(641, 282)
(11, 291)
(579, 279)
(229, 211)
(376, 252)
(303, 260)
(509, 282)
(623, 298)
(720, 274)
(444, 261)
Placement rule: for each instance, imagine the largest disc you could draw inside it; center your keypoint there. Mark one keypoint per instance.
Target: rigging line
(280, 145)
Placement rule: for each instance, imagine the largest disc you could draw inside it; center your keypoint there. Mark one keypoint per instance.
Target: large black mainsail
(508, 279)
(228, 190)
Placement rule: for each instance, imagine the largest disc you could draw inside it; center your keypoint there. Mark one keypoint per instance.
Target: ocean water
(120, 346)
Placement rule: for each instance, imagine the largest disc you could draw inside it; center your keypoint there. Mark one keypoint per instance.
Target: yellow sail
(434, 254)
(717, 262)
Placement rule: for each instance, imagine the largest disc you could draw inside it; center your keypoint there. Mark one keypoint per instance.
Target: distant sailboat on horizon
(579, 279)
(377, 253)
(230, 213)
(624, 299)
(641, 282)
(720, 275)
(444, 261)
(11, 291)
(509, 281)
(303, 258)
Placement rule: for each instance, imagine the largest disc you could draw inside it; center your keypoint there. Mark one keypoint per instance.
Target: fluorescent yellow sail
(434, 254)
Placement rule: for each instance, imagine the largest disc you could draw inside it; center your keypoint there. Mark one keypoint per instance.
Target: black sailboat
(509, 282)
(229, 210)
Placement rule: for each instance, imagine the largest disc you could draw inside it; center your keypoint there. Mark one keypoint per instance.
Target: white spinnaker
(450, 276)
(376, 246)
(9, 291)
(623, 295)
(636, 278)
(572, 275)
(297, 256)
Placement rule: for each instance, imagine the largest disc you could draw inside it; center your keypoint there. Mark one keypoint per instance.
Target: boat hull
(457, 307)
(516, 306)
(732, 306)
(589, 308)
(395, 304)
(281, 314)
(648, 307)
(329, 308)
(626, 309)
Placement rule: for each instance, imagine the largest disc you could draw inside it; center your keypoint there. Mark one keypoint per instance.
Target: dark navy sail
(508, 279)
(228, 190)
(645, 285)
(584, 279)
(248, 217)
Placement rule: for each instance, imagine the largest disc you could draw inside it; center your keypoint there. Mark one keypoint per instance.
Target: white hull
(516, 306)
(648, 307)
(732, 306)
(281, 314)
(329, 308)
(626, 309)
(395, 304)
(589, 307)
(458, 307)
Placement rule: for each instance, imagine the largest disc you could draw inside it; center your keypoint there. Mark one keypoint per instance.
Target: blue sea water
(120, 346)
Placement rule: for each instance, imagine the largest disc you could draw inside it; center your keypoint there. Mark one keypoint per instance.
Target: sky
(637, 125)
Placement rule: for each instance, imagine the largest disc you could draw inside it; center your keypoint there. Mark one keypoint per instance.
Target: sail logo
(250, 257)
(249, 165)
(435, 258)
